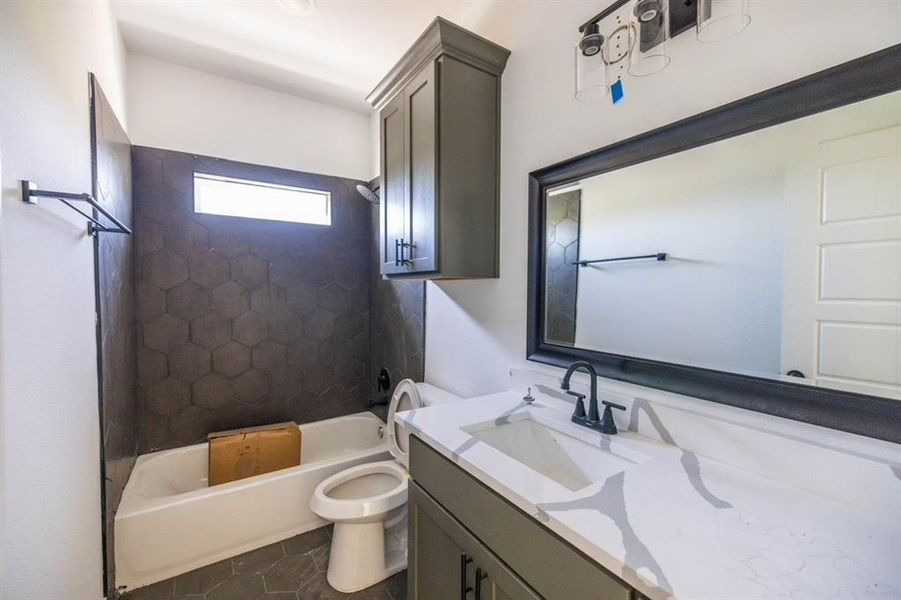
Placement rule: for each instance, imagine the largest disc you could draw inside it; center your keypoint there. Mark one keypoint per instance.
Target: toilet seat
(405, 397)
(354, 495)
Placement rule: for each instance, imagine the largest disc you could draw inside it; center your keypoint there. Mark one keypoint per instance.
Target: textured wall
(245, 322)
(397, 325)
(116, 305)
(563, 212)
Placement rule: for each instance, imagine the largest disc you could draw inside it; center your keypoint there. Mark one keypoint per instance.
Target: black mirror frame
(867, 77)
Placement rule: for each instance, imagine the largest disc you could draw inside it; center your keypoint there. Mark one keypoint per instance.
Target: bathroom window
(214, 195)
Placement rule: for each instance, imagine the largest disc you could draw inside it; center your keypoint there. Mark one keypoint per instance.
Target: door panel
(421, 137)
(843, 264)
(393, 203)
(434, 563)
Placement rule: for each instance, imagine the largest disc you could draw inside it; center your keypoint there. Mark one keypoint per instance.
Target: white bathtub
(169, 522)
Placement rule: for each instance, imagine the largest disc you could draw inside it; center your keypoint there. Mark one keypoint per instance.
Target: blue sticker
(617, 91)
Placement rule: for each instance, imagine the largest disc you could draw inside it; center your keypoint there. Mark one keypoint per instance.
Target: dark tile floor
(293, 569)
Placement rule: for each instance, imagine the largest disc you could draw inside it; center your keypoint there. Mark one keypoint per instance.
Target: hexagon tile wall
(244, 322)
(563, 212)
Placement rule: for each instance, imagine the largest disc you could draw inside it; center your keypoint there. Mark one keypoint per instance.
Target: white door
(842, 288)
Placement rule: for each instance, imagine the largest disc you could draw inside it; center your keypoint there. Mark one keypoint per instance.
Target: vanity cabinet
(439, 136)
(460, 530)
(445, 562)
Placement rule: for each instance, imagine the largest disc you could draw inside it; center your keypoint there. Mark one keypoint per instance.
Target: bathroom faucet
(593, 419)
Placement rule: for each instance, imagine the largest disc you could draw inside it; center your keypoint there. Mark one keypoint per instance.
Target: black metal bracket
(658, 256)
(683, 15)
(31, 193)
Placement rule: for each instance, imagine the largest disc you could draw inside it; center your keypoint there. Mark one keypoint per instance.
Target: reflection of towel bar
(30, 193)
(584, 263)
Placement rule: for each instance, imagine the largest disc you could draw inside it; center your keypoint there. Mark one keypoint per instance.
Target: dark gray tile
(250, 328)
(257, 561)
(187, 300)
(211, 330)
(208, 269)
(248, 586)
(204, 579)
(164, 269)
(249, 270)
(290, 573)
(230, 299)
(307, 542)
(319, 589)
(231, 359)
(251, 386)
(168, 397)
(189, 362)
(320, 325)
(213, 391)
(165, 333)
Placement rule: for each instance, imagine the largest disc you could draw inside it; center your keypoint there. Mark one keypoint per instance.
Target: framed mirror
(749, 255)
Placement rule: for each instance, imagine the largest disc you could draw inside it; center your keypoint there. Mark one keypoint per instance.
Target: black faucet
(593, 419)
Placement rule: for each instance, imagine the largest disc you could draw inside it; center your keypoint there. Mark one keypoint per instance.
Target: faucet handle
(612, 405)
(607, 425)
(579, 412)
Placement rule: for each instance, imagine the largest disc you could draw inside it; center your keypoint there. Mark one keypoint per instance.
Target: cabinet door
(421, 129)
(445, 561)
(392, 215)
(438, 568)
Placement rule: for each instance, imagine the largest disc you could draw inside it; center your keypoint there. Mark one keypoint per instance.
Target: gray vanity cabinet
(446, 562)
(459, 529)
(439, 127)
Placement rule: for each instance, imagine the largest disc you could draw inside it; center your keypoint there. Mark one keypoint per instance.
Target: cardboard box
(250, 451)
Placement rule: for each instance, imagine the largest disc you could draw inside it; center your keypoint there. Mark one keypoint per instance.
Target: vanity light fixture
(639, 32)
(719, 20)
(591, 69)
(648, 32)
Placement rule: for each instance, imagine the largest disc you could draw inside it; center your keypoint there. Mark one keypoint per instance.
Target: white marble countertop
(677, 524)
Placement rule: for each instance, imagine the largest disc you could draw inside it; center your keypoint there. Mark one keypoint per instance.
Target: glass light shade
(648, 32)
(591, 76)
(721, 19)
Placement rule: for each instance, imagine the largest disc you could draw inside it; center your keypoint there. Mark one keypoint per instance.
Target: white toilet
(368, 503)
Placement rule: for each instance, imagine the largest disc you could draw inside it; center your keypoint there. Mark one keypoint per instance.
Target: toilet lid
(406, 397)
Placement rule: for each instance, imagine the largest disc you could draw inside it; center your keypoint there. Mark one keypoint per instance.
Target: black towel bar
(30, 194)
(657, 256)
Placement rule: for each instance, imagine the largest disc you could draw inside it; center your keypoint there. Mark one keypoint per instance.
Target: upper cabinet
(439, 123)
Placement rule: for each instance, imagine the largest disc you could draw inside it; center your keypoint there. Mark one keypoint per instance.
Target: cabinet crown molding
(441, 37)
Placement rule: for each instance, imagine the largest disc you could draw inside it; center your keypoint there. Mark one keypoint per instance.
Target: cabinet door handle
(464, 587)
(404, 244)
(396, 247)
(480, 575)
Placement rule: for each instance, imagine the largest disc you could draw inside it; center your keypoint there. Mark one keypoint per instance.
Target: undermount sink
(573, 463)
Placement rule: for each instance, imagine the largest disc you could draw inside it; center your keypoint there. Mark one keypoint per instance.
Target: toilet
(368, 503)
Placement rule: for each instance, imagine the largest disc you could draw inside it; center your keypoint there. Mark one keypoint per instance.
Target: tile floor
(293, 569)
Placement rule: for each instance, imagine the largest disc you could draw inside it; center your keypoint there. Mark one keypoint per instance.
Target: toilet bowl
(367, 503)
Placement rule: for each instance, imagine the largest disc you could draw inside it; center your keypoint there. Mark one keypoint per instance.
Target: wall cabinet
(439, 127)
(466, 542)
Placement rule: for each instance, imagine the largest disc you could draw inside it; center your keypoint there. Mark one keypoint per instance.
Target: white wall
(542, 123)
(49, 437)
(178, 108)
(717, 300)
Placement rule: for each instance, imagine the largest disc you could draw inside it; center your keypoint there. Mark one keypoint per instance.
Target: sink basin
(572, 462)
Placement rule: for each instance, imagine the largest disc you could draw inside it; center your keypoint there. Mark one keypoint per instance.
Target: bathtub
(169, 522)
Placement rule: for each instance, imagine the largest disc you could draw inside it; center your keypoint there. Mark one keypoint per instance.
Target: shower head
(370, 195)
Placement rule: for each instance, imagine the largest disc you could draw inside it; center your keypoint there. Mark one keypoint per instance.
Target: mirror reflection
(776, 253)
